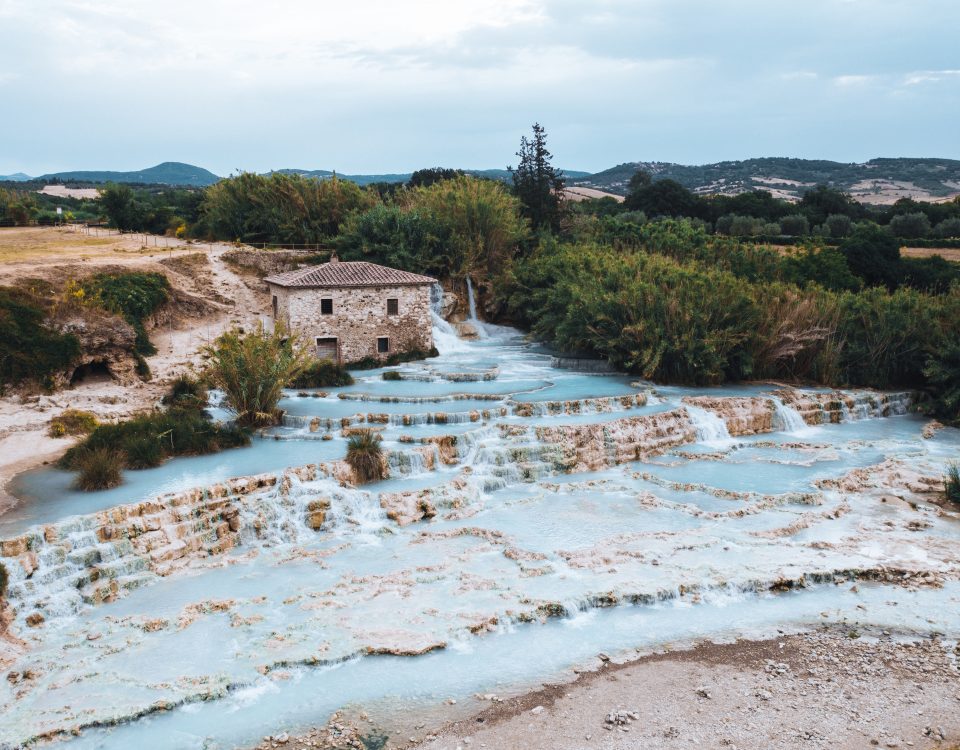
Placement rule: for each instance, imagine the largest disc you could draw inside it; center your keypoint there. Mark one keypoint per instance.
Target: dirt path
(42, 253)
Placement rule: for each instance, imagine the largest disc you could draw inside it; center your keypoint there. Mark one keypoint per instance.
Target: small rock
(536, 711)
(283, 738)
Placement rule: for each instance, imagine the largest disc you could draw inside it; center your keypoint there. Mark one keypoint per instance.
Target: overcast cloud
(393, 85)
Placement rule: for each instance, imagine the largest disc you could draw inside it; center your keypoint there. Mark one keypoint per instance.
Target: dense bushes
(687, 318)
(252, 370)
(279, 208)
(29, 351)
(147, 440)
(951, 484)
(321, 373)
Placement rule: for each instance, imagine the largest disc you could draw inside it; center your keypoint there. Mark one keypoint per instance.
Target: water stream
(532, 518)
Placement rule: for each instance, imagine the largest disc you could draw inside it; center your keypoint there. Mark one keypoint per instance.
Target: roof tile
(348, 273)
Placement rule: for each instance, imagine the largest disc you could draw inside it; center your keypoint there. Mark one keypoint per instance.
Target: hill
(367, 179)
(16, 177)
(167, 173)
(876, 181)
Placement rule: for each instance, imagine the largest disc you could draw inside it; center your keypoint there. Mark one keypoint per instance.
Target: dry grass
(54, 245)
(947, 253)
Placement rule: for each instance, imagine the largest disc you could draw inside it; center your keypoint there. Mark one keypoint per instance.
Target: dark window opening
(393, 307)
(383, 345)
(327, 349)
(274, 306)
(326, 306)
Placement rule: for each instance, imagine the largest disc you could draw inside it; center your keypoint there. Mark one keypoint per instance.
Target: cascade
(710, 428)
(444, 336)
(481, 331)
(787, 419)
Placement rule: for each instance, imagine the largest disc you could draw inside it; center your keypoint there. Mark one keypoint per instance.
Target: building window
(393, 307)
(326, 306)
(274, 307)
(327, 349)
(383, 345)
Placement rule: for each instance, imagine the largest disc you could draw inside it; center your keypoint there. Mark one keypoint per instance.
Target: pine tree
(537, 183)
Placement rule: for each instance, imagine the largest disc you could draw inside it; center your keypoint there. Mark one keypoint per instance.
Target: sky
(376, 86)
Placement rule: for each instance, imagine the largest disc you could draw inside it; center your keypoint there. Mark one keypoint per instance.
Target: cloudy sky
(393, 85)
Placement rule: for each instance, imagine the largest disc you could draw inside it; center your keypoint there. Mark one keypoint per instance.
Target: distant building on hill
(352, 310)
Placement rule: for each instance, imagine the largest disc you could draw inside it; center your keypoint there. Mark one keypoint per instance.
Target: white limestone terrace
(531, 519)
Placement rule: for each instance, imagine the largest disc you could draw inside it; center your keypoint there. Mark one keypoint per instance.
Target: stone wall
(360, 317)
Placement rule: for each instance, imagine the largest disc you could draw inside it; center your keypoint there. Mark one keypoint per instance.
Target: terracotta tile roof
(348, 273)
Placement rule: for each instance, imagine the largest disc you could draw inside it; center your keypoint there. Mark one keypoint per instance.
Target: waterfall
(474, 320)
(444, 336)
(710, 428)
(787, 418)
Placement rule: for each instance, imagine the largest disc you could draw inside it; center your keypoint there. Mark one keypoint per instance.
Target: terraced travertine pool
(533, 517)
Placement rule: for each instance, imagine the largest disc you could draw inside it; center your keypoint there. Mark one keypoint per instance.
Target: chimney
(333, 257)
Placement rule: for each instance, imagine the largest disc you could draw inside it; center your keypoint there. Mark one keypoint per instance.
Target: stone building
(351, 310)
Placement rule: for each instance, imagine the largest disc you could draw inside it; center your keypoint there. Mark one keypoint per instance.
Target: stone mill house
(351, 310)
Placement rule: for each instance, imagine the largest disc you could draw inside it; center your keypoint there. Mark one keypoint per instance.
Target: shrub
(4, 579)
(73, 422)
(322, 373)
(143, 452)
(186, 392)
(100, 469)
(392, 375)
(365, 456)
(29, 351)
(147, 440)
(951, 484)
(371, 363)
(252, 370)
(134, 296)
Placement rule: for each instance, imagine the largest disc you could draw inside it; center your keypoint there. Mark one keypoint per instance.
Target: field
(951, 254)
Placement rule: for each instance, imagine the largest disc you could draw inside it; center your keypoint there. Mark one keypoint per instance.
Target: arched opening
(92, 372)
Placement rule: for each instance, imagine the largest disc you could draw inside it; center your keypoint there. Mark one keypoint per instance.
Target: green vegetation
(186, 392)
(951, 484)
(4, 580)
(98, 468)
(73, 422)
(679, 306)
(279, 208)
(29, 350)
(252, 370)
(147, 440)
(159, 211)
(398, 358)
(537, 183)
(365, 456)
(321, 373)
(133, 295)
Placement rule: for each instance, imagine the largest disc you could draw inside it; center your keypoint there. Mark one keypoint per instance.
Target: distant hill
(367, 179)
(168, 173)
(17, 177)
(876, 181)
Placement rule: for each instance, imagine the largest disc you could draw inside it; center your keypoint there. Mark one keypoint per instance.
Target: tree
(795, 225)
(873, 255)
(537, 183)
(641, 179)
(838, 226)
(948, 228)
(120, 207)
(912, 226)
(252, 370)
(666, 198)
(426, 177)
(819, 203)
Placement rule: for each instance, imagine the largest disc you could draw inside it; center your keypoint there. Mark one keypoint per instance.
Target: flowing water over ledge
(533, 517)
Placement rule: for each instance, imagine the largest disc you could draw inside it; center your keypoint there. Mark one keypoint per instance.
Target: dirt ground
(815, 690)
(197, 272)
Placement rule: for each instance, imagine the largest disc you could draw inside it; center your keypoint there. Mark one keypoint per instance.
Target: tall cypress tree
(536, 182)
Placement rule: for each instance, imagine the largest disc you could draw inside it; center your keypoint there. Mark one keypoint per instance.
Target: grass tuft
(365, 456)
(100, 469)
(73, 422)
(951, 484)
(322, 373)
